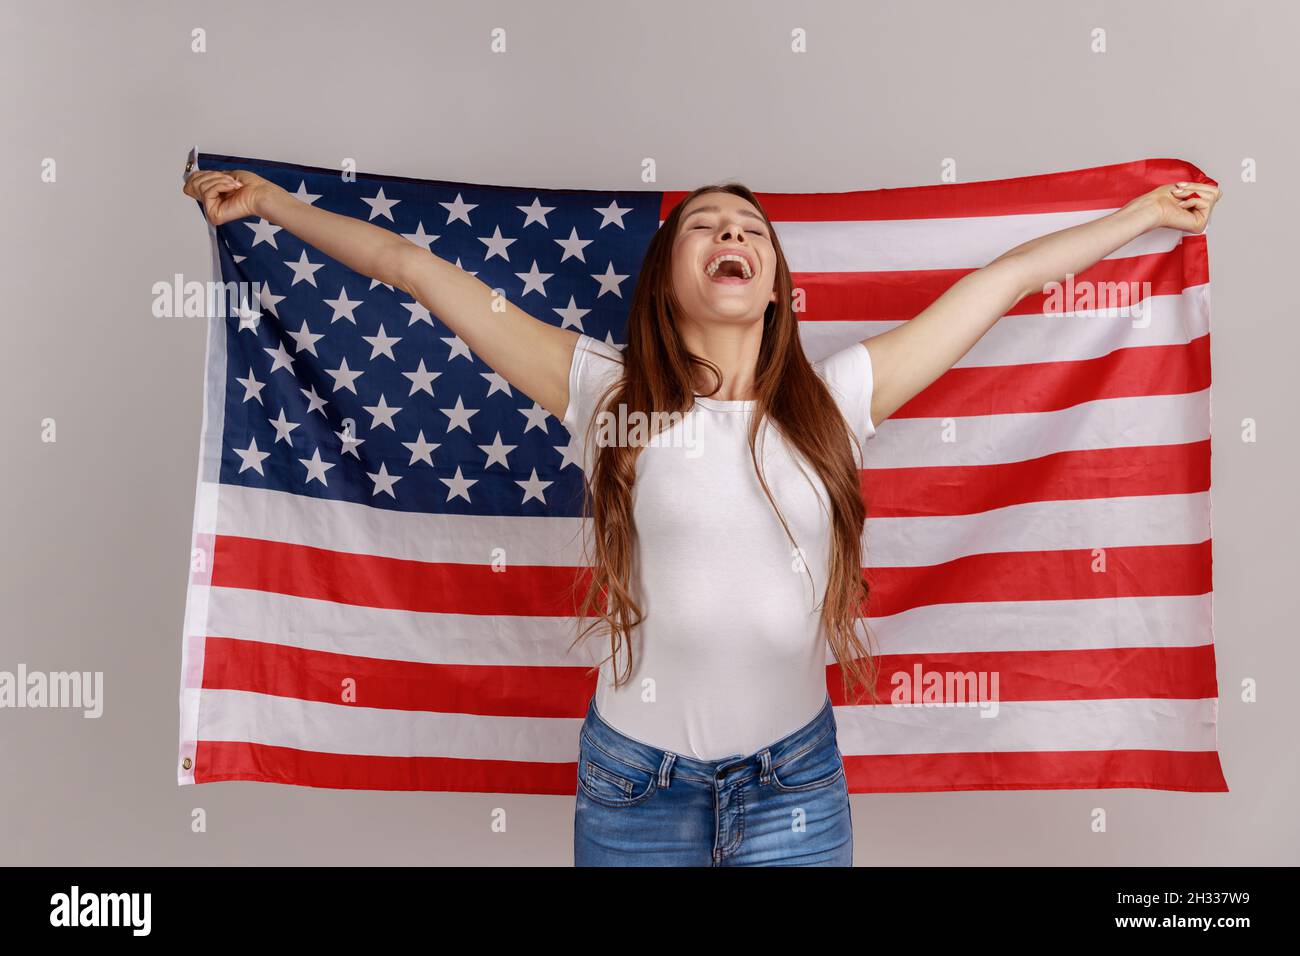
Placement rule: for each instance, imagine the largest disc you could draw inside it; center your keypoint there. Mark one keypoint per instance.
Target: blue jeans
(786, 805)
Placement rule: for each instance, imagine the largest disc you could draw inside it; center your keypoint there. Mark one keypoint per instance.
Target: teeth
(712, 268)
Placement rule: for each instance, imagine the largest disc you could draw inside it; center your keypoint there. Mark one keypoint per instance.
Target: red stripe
(236, 760)
(490, 690)
(896, 296)
(1099, 187)
(1183, 673)
(907, 773)
(1188, 770)
(373, 581)
(1062, 476)
(368, 581)
(1137, 571)
(1052, 386)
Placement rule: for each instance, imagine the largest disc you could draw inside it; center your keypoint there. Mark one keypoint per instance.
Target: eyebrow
(743, 212)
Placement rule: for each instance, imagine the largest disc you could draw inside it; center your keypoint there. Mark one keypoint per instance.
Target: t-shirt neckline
(720, 405)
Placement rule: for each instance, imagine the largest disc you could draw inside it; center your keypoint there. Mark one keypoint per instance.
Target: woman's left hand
(1184, 205)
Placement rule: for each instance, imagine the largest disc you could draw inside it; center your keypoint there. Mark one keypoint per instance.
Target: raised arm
(906, 359)
(527, 352)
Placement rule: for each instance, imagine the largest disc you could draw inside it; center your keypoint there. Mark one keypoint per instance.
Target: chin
(736, 316)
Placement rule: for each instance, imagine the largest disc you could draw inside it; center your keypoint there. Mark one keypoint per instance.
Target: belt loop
(763, 775)
(665, 769)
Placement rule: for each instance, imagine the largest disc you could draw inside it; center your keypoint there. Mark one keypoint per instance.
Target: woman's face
(718, 224)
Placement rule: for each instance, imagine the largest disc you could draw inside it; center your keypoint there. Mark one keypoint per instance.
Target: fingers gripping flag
(386, 533)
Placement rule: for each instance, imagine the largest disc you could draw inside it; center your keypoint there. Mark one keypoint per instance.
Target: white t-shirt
(731, 655)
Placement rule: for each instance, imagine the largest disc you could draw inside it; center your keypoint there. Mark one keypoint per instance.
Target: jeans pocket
(610, 781)
(819, 766)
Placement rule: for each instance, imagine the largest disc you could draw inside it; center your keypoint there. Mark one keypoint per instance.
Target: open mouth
(729, 269)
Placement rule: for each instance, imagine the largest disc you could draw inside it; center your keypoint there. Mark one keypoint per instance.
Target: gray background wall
(94, 556)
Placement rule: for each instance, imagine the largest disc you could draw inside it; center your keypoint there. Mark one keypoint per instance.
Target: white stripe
(1039, 526)
(898, 245)
(232, 715)
(550, 542)
(1130, 724)
(486, 640)
(1000, 439)
(1086, 624)
(389, 634)
(1127, 724)
(416, 536)
(1025, 339)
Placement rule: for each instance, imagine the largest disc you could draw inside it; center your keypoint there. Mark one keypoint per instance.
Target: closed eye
(755, 232)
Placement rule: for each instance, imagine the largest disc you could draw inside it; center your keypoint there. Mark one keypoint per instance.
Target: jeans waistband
(730, 770)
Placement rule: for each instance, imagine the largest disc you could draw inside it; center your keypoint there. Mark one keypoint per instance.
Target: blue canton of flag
(339, 386)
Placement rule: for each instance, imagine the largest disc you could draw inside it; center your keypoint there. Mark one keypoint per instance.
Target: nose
(734, 231)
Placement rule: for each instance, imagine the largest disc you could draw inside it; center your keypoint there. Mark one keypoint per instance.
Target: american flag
(386, 533)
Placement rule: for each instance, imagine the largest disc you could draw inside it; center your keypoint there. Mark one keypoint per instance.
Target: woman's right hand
(227, 196)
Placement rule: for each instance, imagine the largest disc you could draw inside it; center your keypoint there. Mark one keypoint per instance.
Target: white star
(496, 384)
(263, 231)
(571, 453)
(536, 212)
(421, 450)
(314, 402)
(344, 377)
(380, 206)
(306, 339)
(613, 213)
(375, 282)
(609, 282)
(282, 428)
(534, 488)
(534, 281)
(316, 468)
(382, 414)
(252, 387)
(571, 315)
(458, 347)
(343, 306)
(536, 417)
(420, 237)
(248, 318)
(269, 299)
(279, 357)
(609, 340)
(303, 196)
(422, 379)
(497, 452)
(496, 244)
(458, 487)
(462, 268)
(383, 342)
(349, 441)
(383, 481)
(252, 458)
(458, 210)
(573, 246)
(303, 271)
(418, 313)
(459, 416)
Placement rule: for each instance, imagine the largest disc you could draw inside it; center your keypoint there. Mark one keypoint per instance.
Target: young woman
(726, 538)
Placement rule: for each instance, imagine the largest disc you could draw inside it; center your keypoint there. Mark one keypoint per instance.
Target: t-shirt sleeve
(848, 375)
(596, 365)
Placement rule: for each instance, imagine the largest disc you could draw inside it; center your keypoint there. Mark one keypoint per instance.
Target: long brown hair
(658, 377)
